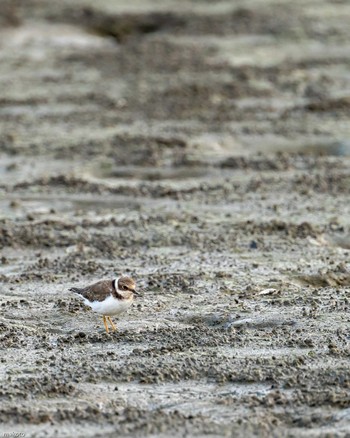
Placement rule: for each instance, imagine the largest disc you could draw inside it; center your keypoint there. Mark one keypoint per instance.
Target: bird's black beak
(136, 293)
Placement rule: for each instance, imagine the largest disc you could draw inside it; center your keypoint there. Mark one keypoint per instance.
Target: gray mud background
(203, 148)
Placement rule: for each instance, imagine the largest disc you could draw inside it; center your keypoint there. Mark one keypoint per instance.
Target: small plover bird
(108, 297)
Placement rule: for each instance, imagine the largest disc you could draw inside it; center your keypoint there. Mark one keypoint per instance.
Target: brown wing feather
(98, 291)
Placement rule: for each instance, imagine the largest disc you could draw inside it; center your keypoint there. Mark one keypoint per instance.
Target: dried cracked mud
(203, 148)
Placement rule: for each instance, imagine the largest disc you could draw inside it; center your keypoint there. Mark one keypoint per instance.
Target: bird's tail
(75, 290)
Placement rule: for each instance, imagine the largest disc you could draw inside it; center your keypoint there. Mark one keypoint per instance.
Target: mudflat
(202, 148)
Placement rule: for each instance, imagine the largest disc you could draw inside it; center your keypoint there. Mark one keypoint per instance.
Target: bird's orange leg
(105, 324)
(111, 322)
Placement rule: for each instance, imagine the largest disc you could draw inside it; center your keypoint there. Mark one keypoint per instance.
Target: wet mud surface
(202, 148)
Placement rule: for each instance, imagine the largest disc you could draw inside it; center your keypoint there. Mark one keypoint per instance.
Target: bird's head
(125, 286)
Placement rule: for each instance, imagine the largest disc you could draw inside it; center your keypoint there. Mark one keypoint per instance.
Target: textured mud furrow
(202, 148)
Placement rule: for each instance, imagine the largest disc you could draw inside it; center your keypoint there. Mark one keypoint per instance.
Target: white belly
(110, 306)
